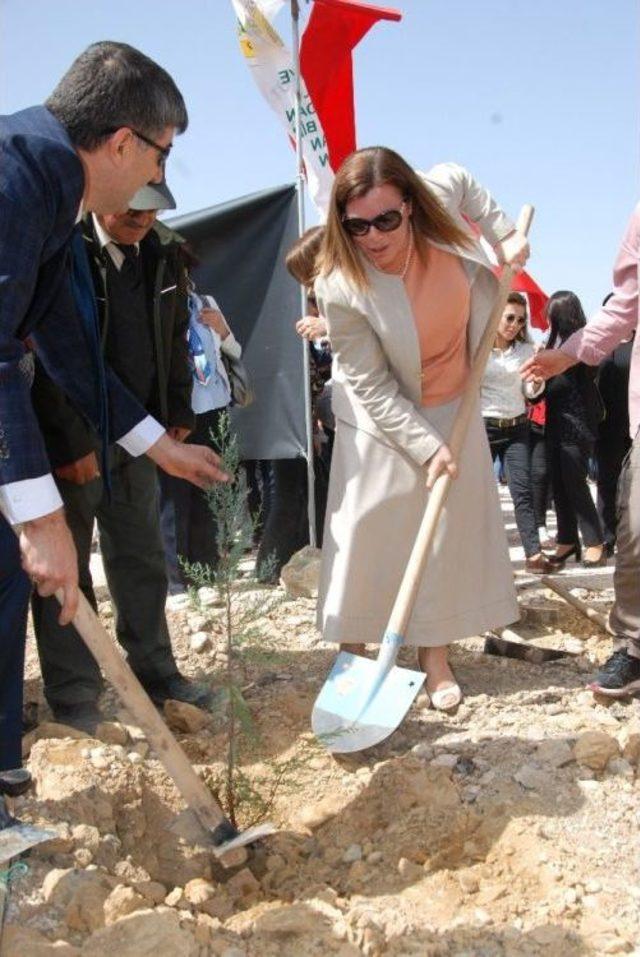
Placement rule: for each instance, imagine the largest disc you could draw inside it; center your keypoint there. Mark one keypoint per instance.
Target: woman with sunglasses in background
(503, 401)
(574, 412)
(407, 292)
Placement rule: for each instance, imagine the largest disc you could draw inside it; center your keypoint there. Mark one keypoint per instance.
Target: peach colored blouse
(439, 295)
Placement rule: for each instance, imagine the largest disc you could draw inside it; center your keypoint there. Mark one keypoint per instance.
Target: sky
(539, 100)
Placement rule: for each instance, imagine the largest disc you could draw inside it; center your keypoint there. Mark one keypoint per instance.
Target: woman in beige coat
(407, 291)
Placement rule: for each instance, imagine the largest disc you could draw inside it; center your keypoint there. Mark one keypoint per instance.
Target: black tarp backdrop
(241, 247)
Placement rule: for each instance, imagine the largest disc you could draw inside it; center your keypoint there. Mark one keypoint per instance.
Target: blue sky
(538, 99)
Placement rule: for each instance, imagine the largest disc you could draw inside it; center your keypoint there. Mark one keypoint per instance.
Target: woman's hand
(513, 250)
(215, 320)
(545, 364)
(312, 327)
(440, 463)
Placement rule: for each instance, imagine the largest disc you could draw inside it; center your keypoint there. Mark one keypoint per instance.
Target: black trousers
(188, 527)
(133, 559)
(575, 509)
(15, 589)
(609, 455)
(287, 528)
(512, 446)
(540, 483)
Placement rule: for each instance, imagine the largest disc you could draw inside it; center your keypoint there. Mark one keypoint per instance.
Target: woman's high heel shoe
(602, 560)
(558, 560)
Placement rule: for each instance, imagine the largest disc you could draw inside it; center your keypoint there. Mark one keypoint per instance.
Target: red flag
(522, 282)
(335, 27)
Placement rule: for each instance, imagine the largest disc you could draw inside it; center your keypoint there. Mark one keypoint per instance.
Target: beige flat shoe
(446, 699)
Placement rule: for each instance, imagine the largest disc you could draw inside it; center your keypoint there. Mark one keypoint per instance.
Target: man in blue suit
(106, 130)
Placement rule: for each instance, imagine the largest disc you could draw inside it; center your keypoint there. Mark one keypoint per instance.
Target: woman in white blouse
(503, 400)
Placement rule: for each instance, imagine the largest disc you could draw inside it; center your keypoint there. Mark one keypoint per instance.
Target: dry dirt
(508, 829)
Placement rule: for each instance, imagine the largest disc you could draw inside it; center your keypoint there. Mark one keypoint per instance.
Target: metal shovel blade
(359, 706)
(19, 838)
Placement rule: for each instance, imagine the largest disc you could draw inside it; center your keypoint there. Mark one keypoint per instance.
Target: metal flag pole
(311, 482)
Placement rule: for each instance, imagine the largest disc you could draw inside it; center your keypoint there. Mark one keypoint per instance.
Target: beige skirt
(377, 497)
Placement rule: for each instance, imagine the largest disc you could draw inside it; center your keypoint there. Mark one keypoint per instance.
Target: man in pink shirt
(615, 323)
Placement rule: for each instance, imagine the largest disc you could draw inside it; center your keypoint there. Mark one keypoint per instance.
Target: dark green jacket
(67, 434)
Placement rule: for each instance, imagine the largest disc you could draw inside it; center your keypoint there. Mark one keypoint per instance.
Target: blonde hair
(302, 258)
(362, 171)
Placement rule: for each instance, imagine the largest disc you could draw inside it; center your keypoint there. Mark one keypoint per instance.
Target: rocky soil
(506, 830)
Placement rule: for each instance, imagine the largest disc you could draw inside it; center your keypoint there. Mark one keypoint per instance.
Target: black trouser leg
(135, 565)
(285, 531)
(576, 508)
(539, 476)
(513, 445)
(15, 589)
(69, 672)
(567, 532)
(173, 518)
(200, 524)
(609, 457)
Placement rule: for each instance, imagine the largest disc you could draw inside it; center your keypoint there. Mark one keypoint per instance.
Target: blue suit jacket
(41, 186)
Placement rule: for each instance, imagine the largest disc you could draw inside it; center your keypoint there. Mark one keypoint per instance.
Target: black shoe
(85, 715)
(619, 675)
(558, 560)
(587, 563)
(178, 688)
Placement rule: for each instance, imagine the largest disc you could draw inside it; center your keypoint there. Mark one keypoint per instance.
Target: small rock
(352, 853)
(593, 749)
(554, 751)
(295, 919)
(409, 870)
(531, 778)
(175, 898)
(208, 597)
(111, 732)
(375, 857)
(301, 574)
(445, 760)
(422, 750)
(198, 891)
(630, 741)
(184, 717)
(469, 883)
(593, 887)
(134, 757)
(197, 623)
(243, 884)
(620, 767)
(200, 642)
(122, 901)
(152, 891)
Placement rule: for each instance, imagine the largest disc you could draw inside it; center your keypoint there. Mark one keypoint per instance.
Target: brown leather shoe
(539, 566)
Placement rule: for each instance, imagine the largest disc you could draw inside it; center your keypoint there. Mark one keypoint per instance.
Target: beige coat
(384, 438)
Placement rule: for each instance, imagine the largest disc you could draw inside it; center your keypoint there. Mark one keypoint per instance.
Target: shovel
(363, 701)
(228, 844)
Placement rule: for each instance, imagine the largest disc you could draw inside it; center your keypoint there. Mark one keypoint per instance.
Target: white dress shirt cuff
(142, 436)
(231, 347)
(28, 499)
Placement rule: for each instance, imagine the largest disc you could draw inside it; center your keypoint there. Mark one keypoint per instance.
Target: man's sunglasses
(513, 318)
(385, 222)
(163, 151)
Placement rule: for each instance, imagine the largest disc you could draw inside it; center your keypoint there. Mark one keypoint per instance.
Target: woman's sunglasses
(513, 318)
(385, 222)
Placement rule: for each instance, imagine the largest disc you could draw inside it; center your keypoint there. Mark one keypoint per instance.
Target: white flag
(272, 66)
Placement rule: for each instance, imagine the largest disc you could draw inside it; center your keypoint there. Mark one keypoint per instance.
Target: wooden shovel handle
(595, 616)
(410, 584)
(197, 796)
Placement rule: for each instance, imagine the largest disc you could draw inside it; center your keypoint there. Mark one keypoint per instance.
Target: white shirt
(503, 392)
(32, 498)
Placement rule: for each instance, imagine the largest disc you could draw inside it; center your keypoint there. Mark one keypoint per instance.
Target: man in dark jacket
(105, 131)
(141, 289)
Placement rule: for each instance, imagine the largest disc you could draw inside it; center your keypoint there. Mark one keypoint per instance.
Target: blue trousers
(15, 589)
